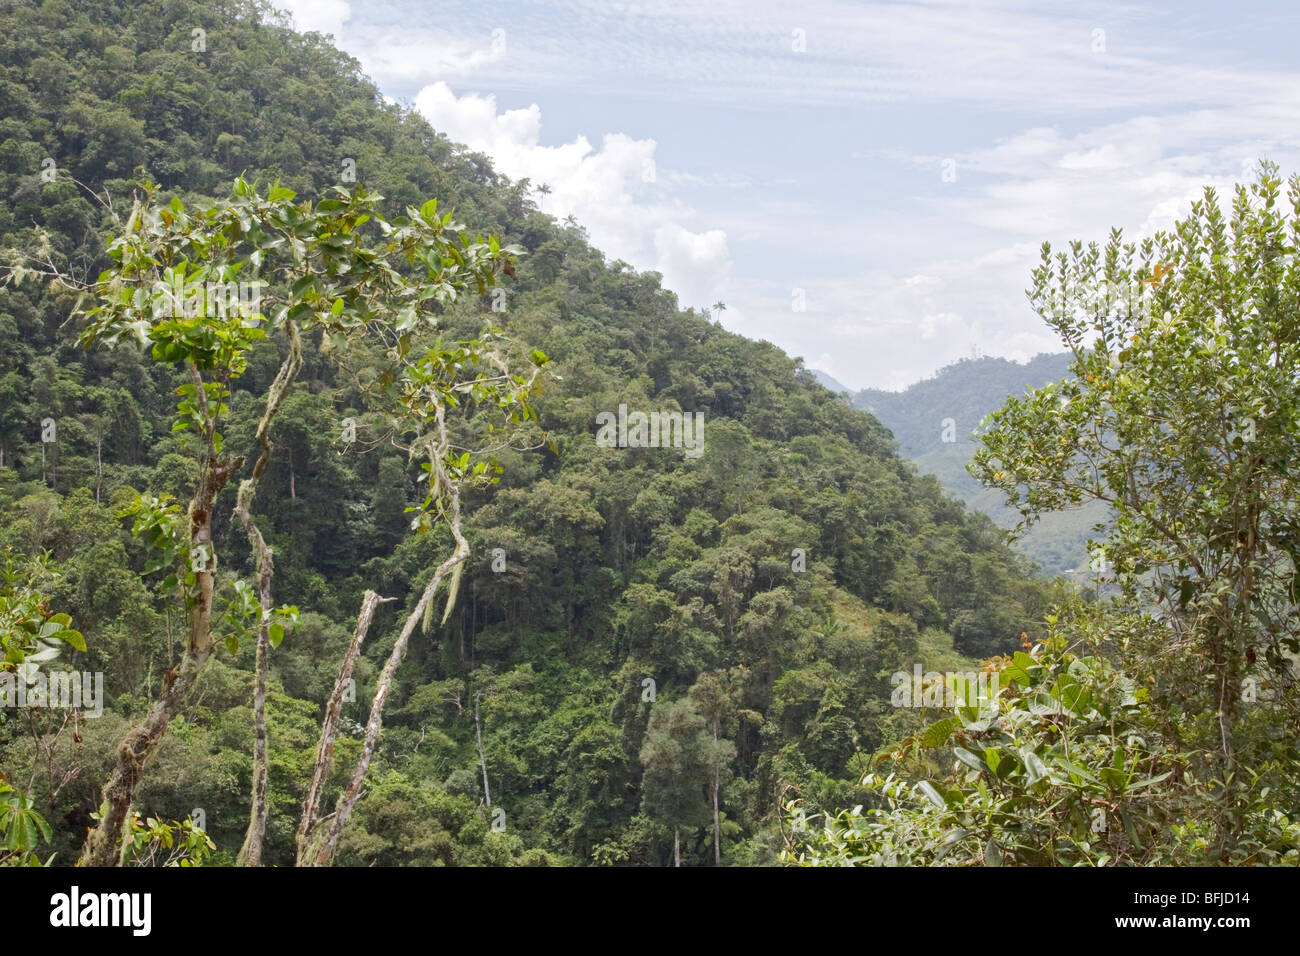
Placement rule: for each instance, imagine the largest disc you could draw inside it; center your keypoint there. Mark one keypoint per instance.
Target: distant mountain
(951, 405)
(965, 391)
(827, 382)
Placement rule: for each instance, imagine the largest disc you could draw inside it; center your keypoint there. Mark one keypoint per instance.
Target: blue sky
(893, 167)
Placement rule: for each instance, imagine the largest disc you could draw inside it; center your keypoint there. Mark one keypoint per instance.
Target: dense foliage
(650, 651)
(1158, 726)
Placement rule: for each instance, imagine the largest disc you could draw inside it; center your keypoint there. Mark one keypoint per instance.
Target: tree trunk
(482, 762)
(677, 846)
(348, 799)
(717, 826)
(250, 854)
(142, 741)
(308, 824)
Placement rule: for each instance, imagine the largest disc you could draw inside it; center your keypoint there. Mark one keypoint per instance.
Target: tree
(1182, 418)
(715, 696)
(679, 761)
(191, 285)
(30, 634)
(477, 376)
(1056, 771)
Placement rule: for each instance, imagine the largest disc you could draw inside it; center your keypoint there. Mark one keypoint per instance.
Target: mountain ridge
(935, 421)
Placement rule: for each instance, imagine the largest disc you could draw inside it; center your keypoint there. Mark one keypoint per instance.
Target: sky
(866, 185)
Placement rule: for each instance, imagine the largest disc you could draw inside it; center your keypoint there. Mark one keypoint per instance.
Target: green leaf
(1035, 769)
(992, 854)
(1013, 673)
(992, 758)
(937, 734)
(969, 759)
(1149, 781)
(1075, 769)
(41, 825)
(930, 793)
(275, 633)
(72, 637)
(232, 643)
(1130, 830)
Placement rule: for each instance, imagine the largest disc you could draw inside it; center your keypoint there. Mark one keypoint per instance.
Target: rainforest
(355, 511)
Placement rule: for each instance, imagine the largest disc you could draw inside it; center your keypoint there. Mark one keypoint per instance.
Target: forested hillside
(935, 422)
(964, 391)
(636, 632)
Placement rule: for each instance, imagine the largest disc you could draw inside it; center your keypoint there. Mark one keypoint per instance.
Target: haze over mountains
(933, 421)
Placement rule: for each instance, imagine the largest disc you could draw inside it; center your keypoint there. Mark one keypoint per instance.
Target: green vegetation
(639, 651)
(936, 423)
(1158, 727)
(363, 587)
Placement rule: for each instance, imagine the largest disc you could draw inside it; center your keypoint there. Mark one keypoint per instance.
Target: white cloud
(421, 55)
(695, 265)
(321, 16)
(824, 363)
(611, 190)
(1052, 141)
(948, 324)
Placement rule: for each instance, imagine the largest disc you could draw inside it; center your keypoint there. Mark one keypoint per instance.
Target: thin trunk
(101, 848)
(717, 826)
(309, 823)
(482, 762)
(250, 854)
(348, 799)
(102, 845)
(677, 846)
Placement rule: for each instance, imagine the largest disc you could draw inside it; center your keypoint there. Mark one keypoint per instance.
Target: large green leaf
(930, 793)
(937, 734)
(968, 758)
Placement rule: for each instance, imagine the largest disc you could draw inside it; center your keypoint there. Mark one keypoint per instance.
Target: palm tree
(543, 190)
